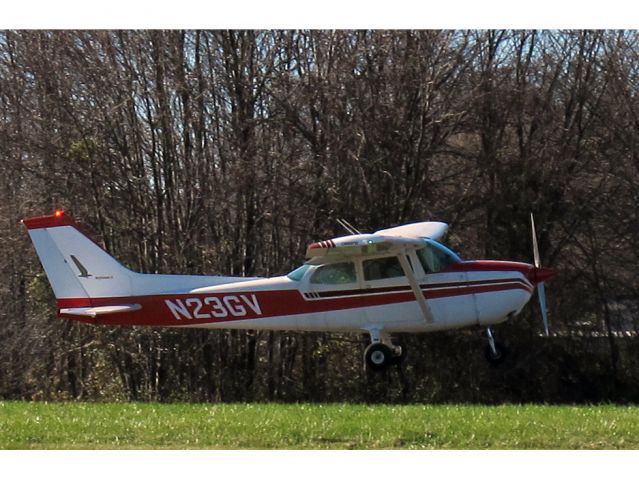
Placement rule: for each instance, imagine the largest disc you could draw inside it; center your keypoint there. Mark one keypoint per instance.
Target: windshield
(435, 257)
(298, 273)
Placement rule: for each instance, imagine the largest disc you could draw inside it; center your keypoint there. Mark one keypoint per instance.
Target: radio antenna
(348, 227)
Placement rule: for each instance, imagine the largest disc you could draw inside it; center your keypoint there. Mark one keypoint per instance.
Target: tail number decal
(214, 307)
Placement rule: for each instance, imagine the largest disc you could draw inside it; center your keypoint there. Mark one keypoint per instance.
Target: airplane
(400, 279)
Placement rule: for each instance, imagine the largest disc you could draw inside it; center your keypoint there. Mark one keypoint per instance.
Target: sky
(337, 14)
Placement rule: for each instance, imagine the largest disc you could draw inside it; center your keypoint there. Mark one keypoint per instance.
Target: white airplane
(396, 280)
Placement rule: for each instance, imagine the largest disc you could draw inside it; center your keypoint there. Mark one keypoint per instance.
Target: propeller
(541, 288)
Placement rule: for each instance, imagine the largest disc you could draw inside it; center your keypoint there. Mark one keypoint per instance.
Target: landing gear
(381, 353)
(495, 351)
(378, 356)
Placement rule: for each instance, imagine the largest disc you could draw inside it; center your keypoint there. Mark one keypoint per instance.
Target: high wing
(392, 241)
(434, 230)
(358, 245)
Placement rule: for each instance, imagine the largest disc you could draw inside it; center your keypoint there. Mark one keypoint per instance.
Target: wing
(434, 230)
(391, 241)
(359, 245)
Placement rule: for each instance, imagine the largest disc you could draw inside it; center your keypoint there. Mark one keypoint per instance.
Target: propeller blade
(541, 293)
(541, 288)
(535, 246)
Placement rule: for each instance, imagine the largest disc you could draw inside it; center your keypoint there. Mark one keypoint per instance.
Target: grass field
(26, 425)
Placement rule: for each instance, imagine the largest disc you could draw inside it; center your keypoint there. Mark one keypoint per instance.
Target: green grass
(25, 425)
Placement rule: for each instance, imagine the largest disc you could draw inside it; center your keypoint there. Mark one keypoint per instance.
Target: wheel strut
(491, 341)
(495, 352)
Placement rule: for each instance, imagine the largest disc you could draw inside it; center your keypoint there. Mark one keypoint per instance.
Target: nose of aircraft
(540, 274)
(544, 274)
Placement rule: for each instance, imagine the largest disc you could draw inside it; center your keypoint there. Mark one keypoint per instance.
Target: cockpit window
(298, 273)
(435, 257)
(335, 273)
(380, 268)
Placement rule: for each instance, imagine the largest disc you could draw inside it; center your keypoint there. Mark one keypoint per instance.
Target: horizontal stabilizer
(98, 311)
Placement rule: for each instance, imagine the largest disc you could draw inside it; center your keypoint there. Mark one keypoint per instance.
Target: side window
(335, 274)
(380, 268)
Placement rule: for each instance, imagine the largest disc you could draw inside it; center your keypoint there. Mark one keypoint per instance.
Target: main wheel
(378, 356)
(496, 357)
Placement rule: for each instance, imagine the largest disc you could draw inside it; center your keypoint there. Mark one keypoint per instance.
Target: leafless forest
(228, 152)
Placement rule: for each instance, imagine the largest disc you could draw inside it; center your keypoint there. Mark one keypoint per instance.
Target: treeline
(227, 152)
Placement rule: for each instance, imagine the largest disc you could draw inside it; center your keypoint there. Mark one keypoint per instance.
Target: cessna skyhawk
(401, 279)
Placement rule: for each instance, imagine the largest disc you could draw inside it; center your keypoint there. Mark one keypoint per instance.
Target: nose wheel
(495, 351)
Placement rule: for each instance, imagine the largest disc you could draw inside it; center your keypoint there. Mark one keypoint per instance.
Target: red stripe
(271, 303)
(48, 221)
(426, 287)
(490, 266)
(323, 244)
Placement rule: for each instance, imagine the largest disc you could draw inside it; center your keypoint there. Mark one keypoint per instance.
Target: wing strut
(419, 295)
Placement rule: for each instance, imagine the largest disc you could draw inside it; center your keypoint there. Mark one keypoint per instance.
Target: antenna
(352, 227)
(348, 227)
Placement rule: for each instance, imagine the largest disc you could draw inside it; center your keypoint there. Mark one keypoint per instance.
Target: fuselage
(348, 295)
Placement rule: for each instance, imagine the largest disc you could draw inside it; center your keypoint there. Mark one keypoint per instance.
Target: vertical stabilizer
(76, 266)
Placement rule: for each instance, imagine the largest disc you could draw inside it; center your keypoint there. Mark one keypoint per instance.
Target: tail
(88, 282)
(75, 265)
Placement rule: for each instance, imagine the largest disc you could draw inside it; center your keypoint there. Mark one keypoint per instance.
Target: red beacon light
(58, 213)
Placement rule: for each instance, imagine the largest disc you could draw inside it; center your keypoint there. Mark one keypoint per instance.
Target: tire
(499, 357)
(378, 356)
